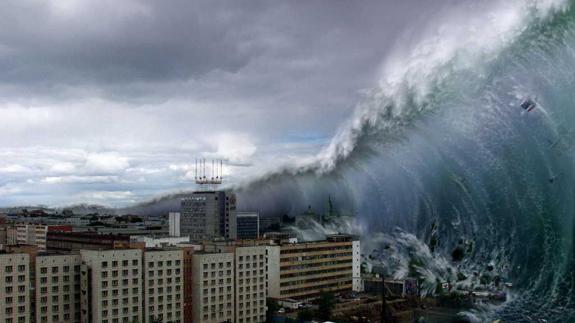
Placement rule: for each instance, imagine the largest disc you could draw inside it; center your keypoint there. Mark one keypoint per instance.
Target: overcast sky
(110, 102)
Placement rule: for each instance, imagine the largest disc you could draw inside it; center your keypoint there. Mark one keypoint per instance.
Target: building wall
(35, 234)
(111, 286)
(163, 286)
(188, 281)
(58, 288)
(174, 224)
(213, 287)
(273, 263)
(15, 288)
(251, 289)
(356, 264)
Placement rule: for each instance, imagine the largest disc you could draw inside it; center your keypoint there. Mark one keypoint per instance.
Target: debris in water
(528, 105)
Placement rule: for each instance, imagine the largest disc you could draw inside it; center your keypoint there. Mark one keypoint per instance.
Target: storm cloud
(111, 101)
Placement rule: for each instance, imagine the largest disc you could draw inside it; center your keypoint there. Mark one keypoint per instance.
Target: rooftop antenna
(215, 173)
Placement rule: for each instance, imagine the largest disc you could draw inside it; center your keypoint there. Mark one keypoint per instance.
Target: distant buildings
(174, 224)
(248, 225)
(208, 215)
(67, 241)
(35, 234)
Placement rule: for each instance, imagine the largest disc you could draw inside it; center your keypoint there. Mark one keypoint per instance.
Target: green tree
(305, 315)
(273, 307)
(326, 304)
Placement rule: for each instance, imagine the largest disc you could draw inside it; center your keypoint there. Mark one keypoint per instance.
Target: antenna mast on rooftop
(216, 172)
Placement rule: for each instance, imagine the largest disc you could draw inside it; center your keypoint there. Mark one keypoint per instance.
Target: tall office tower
(174, 222)
(248, 224)
(58, 288)
(213, 287)
(15, 288)
(111, 286)
(163, 286)
(209, 215)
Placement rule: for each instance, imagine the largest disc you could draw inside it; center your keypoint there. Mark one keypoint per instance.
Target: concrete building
(36, 234)
(58, 288)
(208, 215)
(174, 224)
(248, 225)
(308, 268)
(163, 286)
(111, 286)
(15, 300)
(213, 287)
(250, 267)
(251, 284)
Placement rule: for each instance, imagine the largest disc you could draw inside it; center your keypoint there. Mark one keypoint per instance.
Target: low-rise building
(303, 270)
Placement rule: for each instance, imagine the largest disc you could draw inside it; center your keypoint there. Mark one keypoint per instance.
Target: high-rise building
(111, 286)
(304, 270)
(174, 223)
(248, 225)
(15, 286)
(58, 288)
(208, 215)
(213, 287)
(163, 286)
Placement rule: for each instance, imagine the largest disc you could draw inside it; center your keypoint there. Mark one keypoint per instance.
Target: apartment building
(163, 286)
(15, 288)
(304, 270)
(251, 287)
(58, 288)
(36, 234)
(213, 287)
(111, 286)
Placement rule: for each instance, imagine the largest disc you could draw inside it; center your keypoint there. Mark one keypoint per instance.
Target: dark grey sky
(110, 101)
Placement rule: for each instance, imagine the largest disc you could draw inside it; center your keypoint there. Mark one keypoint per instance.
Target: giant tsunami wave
(441, 153)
